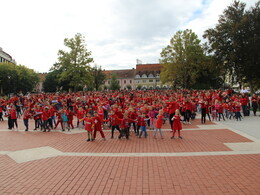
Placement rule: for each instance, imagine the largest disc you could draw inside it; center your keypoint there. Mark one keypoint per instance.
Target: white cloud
(116, 31)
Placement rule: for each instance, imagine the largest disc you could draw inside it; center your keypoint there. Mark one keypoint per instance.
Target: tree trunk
(251, 87)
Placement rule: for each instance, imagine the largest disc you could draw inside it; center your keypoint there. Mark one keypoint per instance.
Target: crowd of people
(124, 110)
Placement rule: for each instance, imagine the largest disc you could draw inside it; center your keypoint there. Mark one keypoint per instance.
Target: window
(137, 76)
(144, 76)
(137, 81)
(157, 80)
(130, 81)
(144, 81)
(150, 75)
(150, 81)
(158, 75)
(124, 81)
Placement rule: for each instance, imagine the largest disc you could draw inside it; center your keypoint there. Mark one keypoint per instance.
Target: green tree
(74, 65)
(114, 84)
(51, 82)
(184, 60)
(235, 42)
(98, 77)
(17, 78)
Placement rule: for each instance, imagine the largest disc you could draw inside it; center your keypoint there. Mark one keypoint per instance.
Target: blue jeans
(157, 130)
(143, 129)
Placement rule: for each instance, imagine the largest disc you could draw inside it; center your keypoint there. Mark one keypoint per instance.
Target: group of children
(122, 110)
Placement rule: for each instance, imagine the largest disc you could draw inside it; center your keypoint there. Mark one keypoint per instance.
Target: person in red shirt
(98, 126)
(89, 124)
(1, 112)
(114, 122)
(124, 126)
(45, 117)
(158, 123)
(80, 115)
(177, 124)
(70, 118)
(238, 109)
(142, 121)
(13, 117)
(220, 111)
(26, 116)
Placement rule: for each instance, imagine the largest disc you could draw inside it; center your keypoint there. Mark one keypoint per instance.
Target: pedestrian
(159, 123)
(176, 124)
(26, 116)
(98, 126)
(143, 124)
(89, 125)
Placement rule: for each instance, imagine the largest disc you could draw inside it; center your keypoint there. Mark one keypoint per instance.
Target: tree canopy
(235, 42)
(114, 83)
(73, 66)
(17, 78)
(185, 63)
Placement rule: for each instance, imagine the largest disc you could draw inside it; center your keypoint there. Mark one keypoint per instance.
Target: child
(158, 124)
(151, 115)
(45, 117)
(177, 124)
(124, 126)
(89, 124)
(98, 126)
(26, 116)
(114, 123)
(143, 125)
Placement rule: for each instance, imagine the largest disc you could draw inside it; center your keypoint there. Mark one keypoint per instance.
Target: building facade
(145, 76)
(125, 77)
(5, 57)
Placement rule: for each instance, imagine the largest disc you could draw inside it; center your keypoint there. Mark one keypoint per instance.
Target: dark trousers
(203, 115)
(124, 132)
(14, 122)
(113, 129)
(170, 118)
(25, 122)
(187, 115)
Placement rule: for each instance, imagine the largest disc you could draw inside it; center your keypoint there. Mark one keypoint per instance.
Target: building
(39, 87)
(145, 76)
(125, 77)
(5, 57)
(148, 76)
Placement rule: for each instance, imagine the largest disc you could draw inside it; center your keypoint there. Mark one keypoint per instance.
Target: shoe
(93, 140)
(104, 138)
(49, 130)
(26, 130)
(180, 137)
(44, 130)
(63, 130)
(112, 137)
(172, 137)
(35, 129)
(88, 140)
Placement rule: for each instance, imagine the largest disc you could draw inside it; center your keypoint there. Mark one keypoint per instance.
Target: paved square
(211, 159)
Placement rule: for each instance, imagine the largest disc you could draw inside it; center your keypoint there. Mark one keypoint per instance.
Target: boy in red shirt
(98, 126)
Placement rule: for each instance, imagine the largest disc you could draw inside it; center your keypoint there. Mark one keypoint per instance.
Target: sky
(117, 32)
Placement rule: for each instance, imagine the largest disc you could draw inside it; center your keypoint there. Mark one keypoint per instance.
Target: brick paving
(220, 174)
(136, 175)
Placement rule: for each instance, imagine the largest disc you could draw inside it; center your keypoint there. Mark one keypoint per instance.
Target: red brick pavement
(235, 174)
(194, 124)
(194, 141)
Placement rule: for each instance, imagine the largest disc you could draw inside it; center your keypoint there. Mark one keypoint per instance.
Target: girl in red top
(177, 124)
(98, 126)
(114, 122)
(89, 124)
(80, 115)
(159, 123)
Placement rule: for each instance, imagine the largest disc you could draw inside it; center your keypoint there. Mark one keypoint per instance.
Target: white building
(5, 57)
